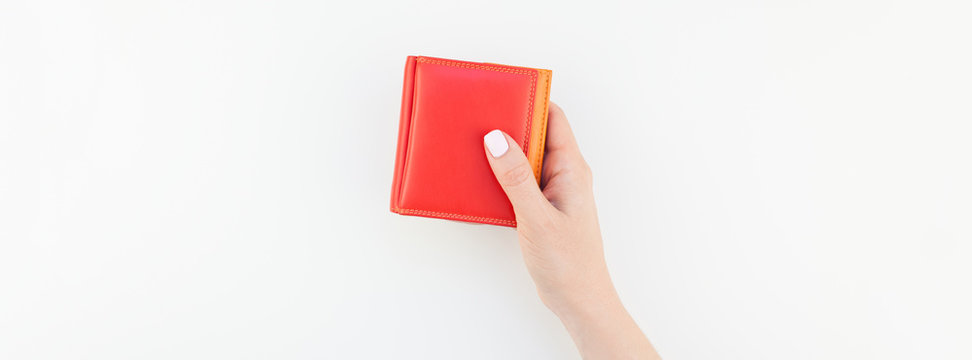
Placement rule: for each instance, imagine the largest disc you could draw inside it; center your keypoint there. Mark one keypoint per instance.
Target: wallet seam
(456, 216)
(528, 127)
(543, 126)
(526, 137)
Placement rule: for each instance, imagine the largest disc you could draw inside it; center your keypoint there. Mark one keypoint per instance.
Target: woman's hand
(561, 241)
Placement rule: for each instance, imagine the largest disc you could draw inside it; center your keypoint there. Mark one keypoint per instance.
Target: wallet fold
(441, 170)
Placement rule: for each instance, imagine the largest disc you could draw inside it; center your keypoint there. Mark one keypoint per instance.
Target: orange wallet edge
(538, 126)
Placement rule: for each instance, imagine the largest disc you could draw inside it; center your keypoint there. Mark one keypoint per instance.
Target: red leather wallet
(441, 169)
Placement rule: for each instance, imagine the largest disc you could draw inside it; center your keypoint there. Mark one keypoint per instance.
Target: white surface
(776, 180)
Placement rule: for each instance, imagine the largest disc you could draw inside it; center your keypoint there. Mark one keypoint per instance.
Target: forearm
(602, 328)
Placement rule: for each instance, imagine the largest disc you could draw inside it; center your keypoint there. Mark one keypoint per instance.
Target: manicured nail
(496, 143)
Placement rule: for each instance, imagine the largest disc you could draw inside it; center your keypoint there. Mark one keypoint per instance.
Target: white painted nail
(496, 143)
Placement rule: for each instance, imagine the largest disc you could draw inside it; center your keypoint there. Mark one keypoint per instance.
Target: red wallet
(441, 169)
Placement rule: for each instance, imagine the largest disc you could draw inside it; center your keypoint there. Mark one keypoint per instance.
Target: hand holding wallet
(447, 107)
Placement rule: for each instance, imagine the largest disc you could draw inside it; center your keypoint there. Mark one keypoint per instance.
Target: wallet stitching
(526, 136)
(457, 216)
(543, 126)
(474, 66)
(530, 111)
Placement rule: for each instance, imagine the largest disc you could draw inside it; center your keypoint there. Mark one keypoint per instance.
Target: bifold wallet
(441, 170)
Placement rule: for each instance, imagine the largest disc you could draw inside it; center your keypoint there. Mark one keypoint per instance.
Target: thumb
(514, 174)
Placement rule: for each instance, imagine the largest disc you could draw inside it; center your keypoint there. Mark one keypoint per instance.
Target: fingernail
(496, 143)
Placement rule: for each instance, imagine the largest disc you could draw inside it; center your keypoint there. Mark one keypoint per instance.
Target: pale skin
(561, 243)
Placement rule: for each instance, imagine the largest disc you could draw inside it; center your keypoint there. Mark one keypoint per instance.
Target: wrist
(602, 328)
(590, 306)
(584, 301)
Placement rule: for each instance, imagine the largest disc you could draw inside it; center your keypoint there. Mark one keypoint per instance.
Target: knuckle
(516, 176)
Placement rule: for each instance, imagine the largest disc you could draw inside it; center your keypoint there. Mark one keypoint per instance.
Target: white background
(203, 179)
